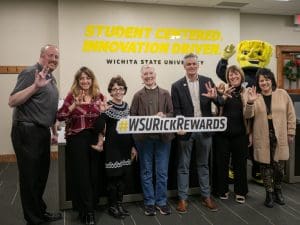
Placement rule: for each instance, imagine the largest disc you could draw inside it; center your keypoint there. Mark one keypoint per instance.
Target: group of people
(263, 114)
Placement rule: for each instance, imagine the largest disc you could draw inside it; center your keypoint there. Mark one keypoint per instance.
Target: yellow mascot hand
(229, 51)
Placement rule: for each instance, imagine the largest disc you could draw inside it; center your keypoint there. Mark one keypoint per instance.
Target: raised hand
(83, 96)
(229, 51)
(41, 77)
(80, 98)
(228, 91)
(221, 88)
(103, 106)
(252, 95)
(211, 91)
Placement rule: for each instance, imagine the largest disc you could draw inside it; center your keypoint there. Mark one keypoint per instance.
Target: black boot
(122, 210)
(278, 197)
(114, 211)
(269, 199)
(81, 217)
(90, 219)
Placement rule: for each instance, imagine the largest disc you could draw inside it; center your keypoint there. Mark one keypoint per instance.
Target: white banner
(156, 124)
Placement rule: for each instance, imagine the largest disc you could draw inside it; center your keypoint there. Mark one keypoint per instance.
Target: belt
(29, 124)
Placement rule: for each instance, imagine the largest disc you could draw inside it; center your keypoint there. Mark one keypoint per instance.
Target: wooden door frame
(280, 51)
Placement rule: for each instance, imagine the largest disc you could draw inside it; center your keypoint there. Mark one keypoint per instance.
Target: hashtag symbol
(123, 125)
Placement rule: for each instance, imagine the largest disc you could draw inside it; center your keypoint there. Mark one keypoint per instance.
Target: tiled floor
(253, 212)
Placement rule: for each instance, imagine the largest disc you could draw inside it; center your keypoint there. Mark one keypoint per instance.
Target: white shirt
(195, 94)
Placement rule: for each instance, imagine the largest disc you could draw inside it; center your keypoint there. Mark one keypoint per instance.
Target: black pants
(32, 147)
(255, 165)
(115, 189)
(237, 147)
(84, 163)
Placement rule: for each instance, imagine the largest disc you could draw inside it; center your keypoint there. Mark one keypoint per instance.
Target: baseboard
(8, 158)
(12, 157)
(54, 155)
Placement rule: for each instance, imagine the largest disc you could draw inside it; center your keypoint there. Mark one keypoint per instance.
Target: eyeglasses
(121, 89)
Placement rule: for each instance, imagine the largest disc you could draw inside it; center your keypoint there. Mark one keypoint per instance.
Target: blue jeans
(160, 152)
(203, 145)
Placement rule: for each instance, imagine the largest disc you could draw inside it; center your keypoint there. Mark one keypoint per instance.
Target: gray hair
(188, 56)
(45, 47)
(146, 67)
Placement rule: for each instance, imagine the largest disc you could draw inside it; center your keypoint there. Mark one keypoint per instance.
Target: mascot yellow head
(254, 53)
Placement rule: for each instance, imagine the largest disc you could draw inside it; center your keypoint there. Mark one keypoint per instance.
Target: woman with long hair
(81, 107)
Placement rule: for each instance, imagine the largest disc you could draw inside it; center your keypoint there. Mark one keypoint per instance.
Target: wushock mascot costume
(251, 55)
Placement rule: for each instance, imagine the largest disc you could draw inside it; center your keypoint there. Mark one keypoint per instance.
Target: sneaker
(224, 196)
(150, 210)
(164, 209)
(240, 199)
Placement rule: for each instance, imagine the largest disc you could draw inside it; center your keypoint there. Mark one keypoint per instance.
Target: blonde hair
(94, 89)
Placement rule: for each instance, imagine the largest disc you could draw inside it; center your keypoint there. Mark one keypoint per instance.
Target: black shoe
(81, 217)
(150, 210)
(163, 209)
(114, 211)
(278, 197)
(90, 219)
(122, 210)
(269, 199)
(49, 217)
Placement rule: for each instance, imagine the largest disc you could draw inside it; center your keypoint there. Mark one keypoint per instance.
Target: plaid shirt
(82, 117)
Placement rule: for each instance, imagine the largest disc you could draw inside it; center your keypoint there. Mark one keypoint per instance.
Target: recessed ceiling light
(232, 4)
